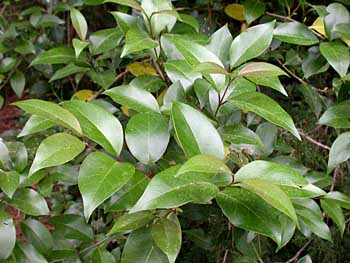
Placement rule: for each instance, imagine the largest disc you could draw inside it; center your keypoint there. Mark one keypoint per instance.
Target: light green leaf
(5, 160)
(7, 235)
(130, 3)
(269, 171)
(260, 69)
(147, 136)
(342, 199)
(128, 195)
(137, 40)
(246, 210)
(50, 111)
(266, 108)
(130, 222)
(272, 194)
(168, 191)
(30, 202)
(58, 55)
(209, 68)
(337, 115)
(337, 55)
(189, 125)
(79, 46)
(125, 21)
(305, 259)
(251, 43)
(18, 82)
(98, 124)
(340, 151)
(99, 178)
(271, 82)
(335, 212)
(104, 40)
(337, 14)
(166, 233)
(343, 30)
(68, 70)
(133, 97)
(206, 168)
(56, 149)
(79, 23)
(295, 33)
(140, 248)
(35, 124)
(37, 235)
(9, 182)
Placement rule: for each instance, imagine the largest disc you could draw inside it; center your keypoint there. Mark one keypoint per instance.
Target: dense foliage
(159, 131)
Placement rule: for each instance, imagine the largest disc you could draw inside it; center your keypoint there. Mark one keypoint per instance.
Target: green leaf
(130, 3)
(79, 46)
(310, 218)
(104, 78)
(72, 227)
(295, 33)
(101, 255)
(166, 233)
(9, 182)
(125, 21)
(128, 195)
(5, 160)
(137, 40)
(58, 55)
(18, 154)
(79, 23)
(99, 178)
(104, 40)
(168, 191)
(337, 55)
(305, 259)
(272, 194)
(272, 82)
(25, 252)
(174, 93)
(68, 70)
(335, 212)
(314, 63)
(206, 168)
(209, 68)
(7, 64)
(56, 149)
(38, 235)
(261, 69)
(140, 248)
(253, 9)
(189, 20)
(340, 151)
(30, 202)
(195, 54)
(343, 30)
(35, 124)
(180, 70)
(219, 44)
(130, 222)
(148, 82)
(133, 97)
(266, 108)
(189, 125)
(246, 210)
(147, 136)
(342, 199)
(251, 43)
(52, 112)
(337, 14)
(337, 115)
(7, 235)
(98, 125)
(269, 171)
(18, 82)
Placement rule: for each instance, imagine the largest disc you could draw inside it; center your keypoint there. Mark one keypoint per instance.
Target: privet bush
(191, 127)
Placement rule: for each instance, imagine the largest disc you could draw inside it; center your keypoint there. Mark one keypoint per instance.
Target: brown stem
(296, 256)
(285, 18)
(307, 137)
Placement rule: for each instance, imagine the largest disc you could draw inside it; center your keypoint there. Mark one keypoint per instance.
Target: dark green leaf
(295, 33)
(7, 235)
(30, 202)
(130, 222)
(340, 151)
(337, 55)
(335, 212)
(104, 40)
(59, 55)
(18, 82)
(68, 70)
(9, 182)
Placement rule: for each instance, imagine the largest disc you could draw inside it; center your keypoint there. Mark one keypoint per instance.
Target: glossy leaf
(133, 97)
(125, 21)
(104, 40)
(335, 212)
(337, 55)
(7, 235)
(251, 43)
(101, 255)
(104, 78)
(340, 151)
(266, 108)
(130, 3)
(261, 69)
(56, 149)
(9, 182)
(18, 82)
(295, 33)
(68, 70)
(189, 125)
(130, 222)
(137, 40)
(209, 68)
(337, 14)
(30, 202)
(98, 125)
(59, 55)
(79, 23)
(50, 111)
(168, 191)
(253, 10)
(35, 124)
(79, 46)
(25, 252)
(342, 199)
(271, 82)
(147, 136)
(99, 178)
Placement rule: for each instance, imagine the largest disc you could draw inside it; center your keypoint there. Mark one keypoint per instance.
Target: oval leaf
(30, 202)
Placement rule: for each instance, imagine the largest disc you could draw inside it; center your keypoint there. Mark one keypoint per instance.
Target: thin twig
(285, 18)
(307, 137)
(296, 256)
(292, 74)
